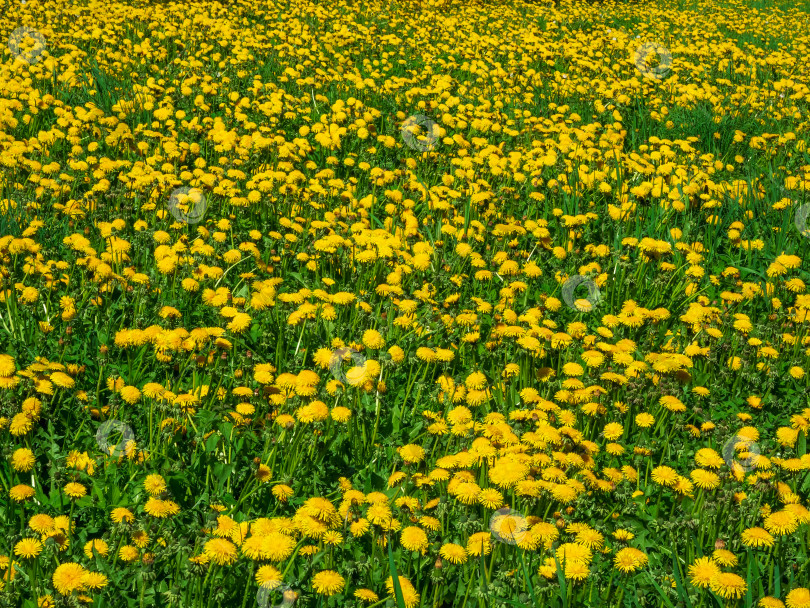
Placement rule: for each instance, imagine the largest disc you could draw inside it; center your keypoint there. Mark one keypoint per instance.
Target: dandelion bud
(719, 544)
(561, 523)
(438, 563)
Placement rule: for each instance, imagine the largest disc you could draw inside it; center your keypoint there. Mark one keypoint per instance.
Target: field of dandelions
(472, 304)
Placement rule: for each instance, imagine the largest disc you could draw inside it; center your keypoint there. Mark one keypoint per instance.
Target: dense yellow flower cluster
(441, 303)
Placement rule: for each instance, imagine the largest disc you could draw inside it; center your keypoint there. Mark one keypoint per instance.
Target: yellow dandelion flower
(328, 582)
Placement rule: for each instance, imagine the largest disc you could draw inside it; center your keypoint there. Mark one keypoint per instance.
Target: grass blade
(561, 579)
(395, 577)
(682, 592)
(776, 582)
(481, 574)
(660, 591)
(527, 575)
(748, 598)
